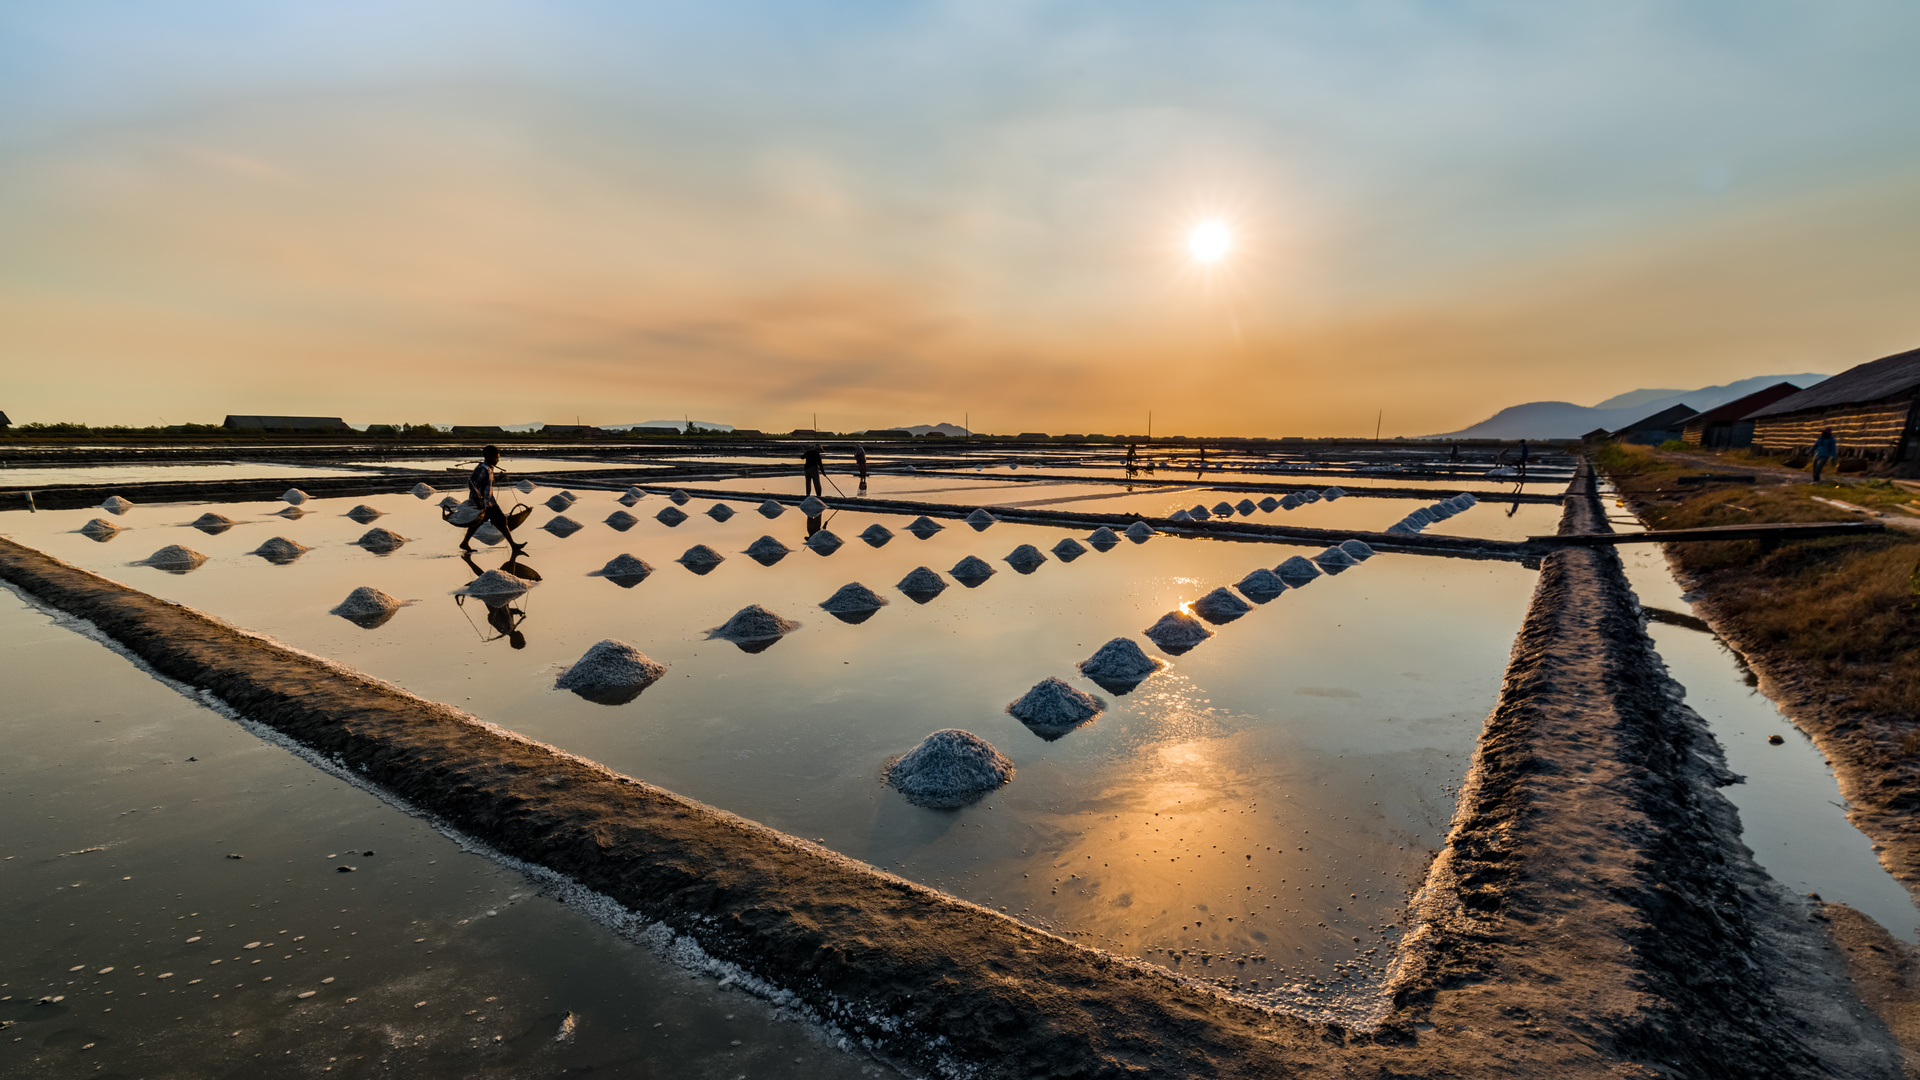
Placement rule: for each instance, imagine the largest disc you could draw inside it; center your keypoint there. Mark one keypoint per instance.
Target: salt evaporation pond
(1256, 814)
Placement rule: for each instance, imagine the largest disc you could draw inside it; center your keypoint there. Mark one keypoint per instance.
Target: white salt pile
(1269, 504)
(1139, 531)
(114, 504)
(1198, 512)
(464, 514)
(1025, 558)
(633, 493)
(924, 526)
(367, 602)
(922, 582)
(211, 522)
(497, 583)
(1179, 515)
(570, 497)
(1297, 571)
(771, 509)
(679, 497)
(280, 550)
(700, 555)
(1423, 516)
(610, 673)
(1357, 550)
(624, 566)
(1333, 493)
(1310, 496)
(1334, 560)
(1221, 605)
(980, 519)
(811, 506)
(876, 535)
(294, 496)
(524, 487)
(628, 500)
(364, 513)
(621, 520)
(1120, 665)
(719, 511)
(174, 557)
(379, 539)
(1223, 508)
(422, 490)
(972, 569)
(824, 542)
(1052, 708)
(950, 768)
(488, 535)
(558, 503)
(1177, 632)
(853, 598)
(768, 550)
(562, 525)
(293, 513)
(753, 623)
(100, 529)
(1401, 528)
(1289, 501)
(1468, 497)
(1261, 586)
(1069, 549)
(1245, 506)
(1103, 539)
(670, 516)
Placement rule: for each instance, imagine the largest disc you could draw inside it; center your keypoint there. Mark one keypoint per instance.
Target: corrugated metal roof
(1738, 409)
(1871, 381)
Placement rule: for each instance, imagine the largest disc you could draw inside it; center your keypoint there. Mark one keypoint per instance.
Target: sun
(1209, 242)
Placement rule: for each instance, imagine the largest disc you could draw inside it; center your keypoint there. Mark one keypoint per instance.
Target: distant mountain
(675, 425)
(944, 428)
(1565, 420)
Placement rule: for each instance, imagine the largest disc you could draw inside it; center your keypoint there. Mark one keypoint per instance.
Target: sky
(756, 213)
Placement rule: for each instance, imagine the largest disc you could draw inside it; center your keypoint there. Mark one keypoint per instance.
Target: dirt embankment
(1593, 914)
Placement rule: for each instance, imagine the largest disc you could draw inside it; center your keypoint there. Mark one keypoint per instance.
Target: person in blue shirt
(480, 493)
(1825, 450)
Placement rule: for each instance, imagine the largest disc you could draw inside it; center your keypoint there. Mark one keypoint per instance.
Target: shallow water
(425, 960)
(148, 474)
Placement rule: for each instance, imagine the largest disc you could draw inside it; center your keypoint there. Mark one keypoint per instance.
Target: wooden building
(1728, 426)
(1664, 426)
(304, 425)
(1870, 409)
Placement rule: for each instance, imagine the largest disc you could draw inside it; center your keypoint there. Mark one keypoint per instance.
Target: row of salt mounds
(611, 673)
(1139, 531)
(1333, 493)
(280, 550)
(1179, 515)
(1335, 560)
(364, 514)
(380, 539)
(753, 628)
(971, 571)
(294, 496)
(1052, 708)
(949, 769)
(1358, 550)
(1223, 508)
(114, 504)
(1103, 539)
(1197, 512)
(624, 565)
(1297, 571)
(1246, 507)
(621, 521)
(980, 519)
(853, 603)
(766, 551)
(463, 513)
(1069, 549)
(367, 607)
(1026, 558)
(811, 506)
(771, 509)
(1261, 586)
(101, 529)
(670, 516)
(1221, 605)
(562, 526)
(1269, 504)
(876, 535)
(176, 558)
(213, 524)
(422, 490)
(719, 511)
(1120, 665)
(824, 542)
(1177, 631)
(497, 583)
(924, 526)
(633, 493)
(488, 535)
(700, 558)
(922, 584)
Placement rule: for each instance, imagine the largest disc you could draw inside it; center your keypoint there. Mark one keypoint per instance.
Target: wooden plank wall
(1870, 429)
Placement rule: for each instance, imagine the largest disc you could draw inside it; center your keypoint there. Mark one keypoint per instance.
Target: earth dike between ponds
(1593, 913)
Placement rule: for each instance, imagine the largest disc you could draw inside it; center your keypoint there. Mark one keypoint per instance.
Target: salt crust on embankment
(1513, 928)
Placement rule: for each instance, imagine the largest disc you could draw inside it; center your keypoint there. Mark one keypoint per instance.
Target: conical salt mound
(771, 509)
(1223, 508)
(558, 503)
(1357, 550)
(1468, 498)
(753, 623)
(1296, 571)
(1269, 504)
(701, 555)
(570, 497)
(1261, 586)
(924, 527)
(1026, 558)
(1401, 528)
(768, 546)
(980, 519)
(852, 598)
(922, 582)
(175, 558)
(100, 529)
(114, 504)
(1179, 515)
(1333, 560)
(1221, 605)
(621, 521)
(1103, 539)
(971, 571)
(812, 507)
(624, 566)
(1245, 506)
(876, 535)
(294, 496)
(679, 498)
(293, 513)
(1289, 501)
(670, 516)
(562, 525)
(1177, 631)
(363, 514)
(497, 583)
(634, 493)
(367, 607)
(488, 535)
(824, 542)
(1198, 513)
(610, 673)
(950, 768)
(213, 524)
(1069, 549)
(1120, 665)
(1333, 493)
(1052, 708)
(379, 539)
(421, 491)
(524, 487)
(1139, 531)
(628, 500)
(464, 514)
(1422, 516)
(719, 511)
(280, 550)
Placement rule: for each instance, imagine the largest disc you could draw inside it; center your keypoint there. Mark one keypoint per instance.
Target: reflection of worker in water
(480, 493)
(860, 462)
(813, 526)
(505, 620)
(810, 462)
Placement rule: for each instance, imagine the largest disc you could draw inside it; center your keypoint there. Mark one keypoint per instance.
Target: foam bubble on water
(949, 768)
(624, 565)
(1222, 605)
(1139, 531)
(853, 597)
(610, 673)
(700, 555)
(972, 570)
(621, 520)
(1025, 558)
(294, 496)
(719, 511)
(422, 490)
(924, 526)
(876, 535)
(771, 509)
(364, 514)
(1177, 632)
(175, 557)
(812, 507)
(114, 504)
(280, 550)
(1261, 586)
(753, 623)
(824, 542)
(922, 581)
(1053, 708)
(562, 525)
(670, 516)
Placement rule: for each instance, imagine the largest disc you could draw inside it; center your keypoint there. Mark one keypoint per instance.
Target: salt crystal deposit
(627, 500)
(1222, 605)
(1334, 560)
(679, 498)
(876, 535)
(610, 673)
(364, 514)
(624, 566)
(563, 526)
(422, 490)
(367, 607)
(100, 529)
(1025, 558)
(1177, 631)
(1052, 708)
(1120, 665)
(524, 487)
(824, 542)
(1269, 504)
(1468, 497)
(497, 583)
(1245, 506)
(488, 535)
(293, 513)
(114, 504)
(1139, 531)
(811, 506)
(971, 571)
(464, 514)
(212, 523)
(1069, 549)
(1423, 516)
(1401, 528)
(379, 539)
(447, 502)
(558, 503)
(1103, 539)
(1198, 512)
(1357, 550)
(700, 557)
(1310, 496)
(670, 516)
(719, 511)
(1333, 493)
(1179, 515)
(621, 520)
(176, 558)
(635, 494)
(294, 496)
(771, 509)
(1296, 571)
(766, 551)
(922, 582)
(280, 550)
(949, 769)
(752, 624)
(853, 598)
(1223, 508)
(980, 519)
(924, 526)
(570, 497)
(1261, 586)
(1289, 501)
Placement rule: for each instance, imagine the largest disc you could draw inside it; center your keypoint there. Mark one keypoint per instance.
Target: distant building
(4, 422)
(1597, 435)
(303, 425)
(1727, 426)
(1667, 425)
(477, 429)
(1032, 436)
(1870, 409)
(573, 430)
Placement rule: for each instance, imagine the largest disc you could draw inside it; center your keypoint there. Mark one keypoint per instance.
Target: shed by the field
(476, 429)
(4, 422)
(1871, 409)
(1666, 425)
(1729, 425)
(1597, 435)
(305, 425)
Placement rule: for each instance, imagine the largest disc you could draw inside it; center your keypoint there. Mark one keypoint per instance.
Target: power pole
(1376, 424)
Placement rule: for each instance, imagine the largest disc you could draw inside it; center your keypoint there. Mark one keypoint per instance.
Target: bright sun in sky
(1209, 242)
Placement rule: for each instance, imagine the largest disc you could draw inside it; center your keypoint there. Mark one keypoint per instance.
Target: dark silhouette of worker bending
(480, 492)
(811, 464)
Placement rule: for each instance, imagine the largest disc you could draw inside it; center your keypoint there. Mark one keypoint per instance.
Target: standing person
(860, 460)
(480, 493)
(1523, 458)
(1825, 450)
(810, 462)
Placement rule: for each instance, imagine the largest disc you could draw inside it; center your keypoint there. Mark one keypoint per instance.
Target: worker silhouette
(812, 466)
(480, 492)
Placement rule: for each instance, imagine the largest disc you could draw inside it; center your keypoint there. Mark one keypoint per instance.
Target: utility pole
(1149, 425)
(1377, 417)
